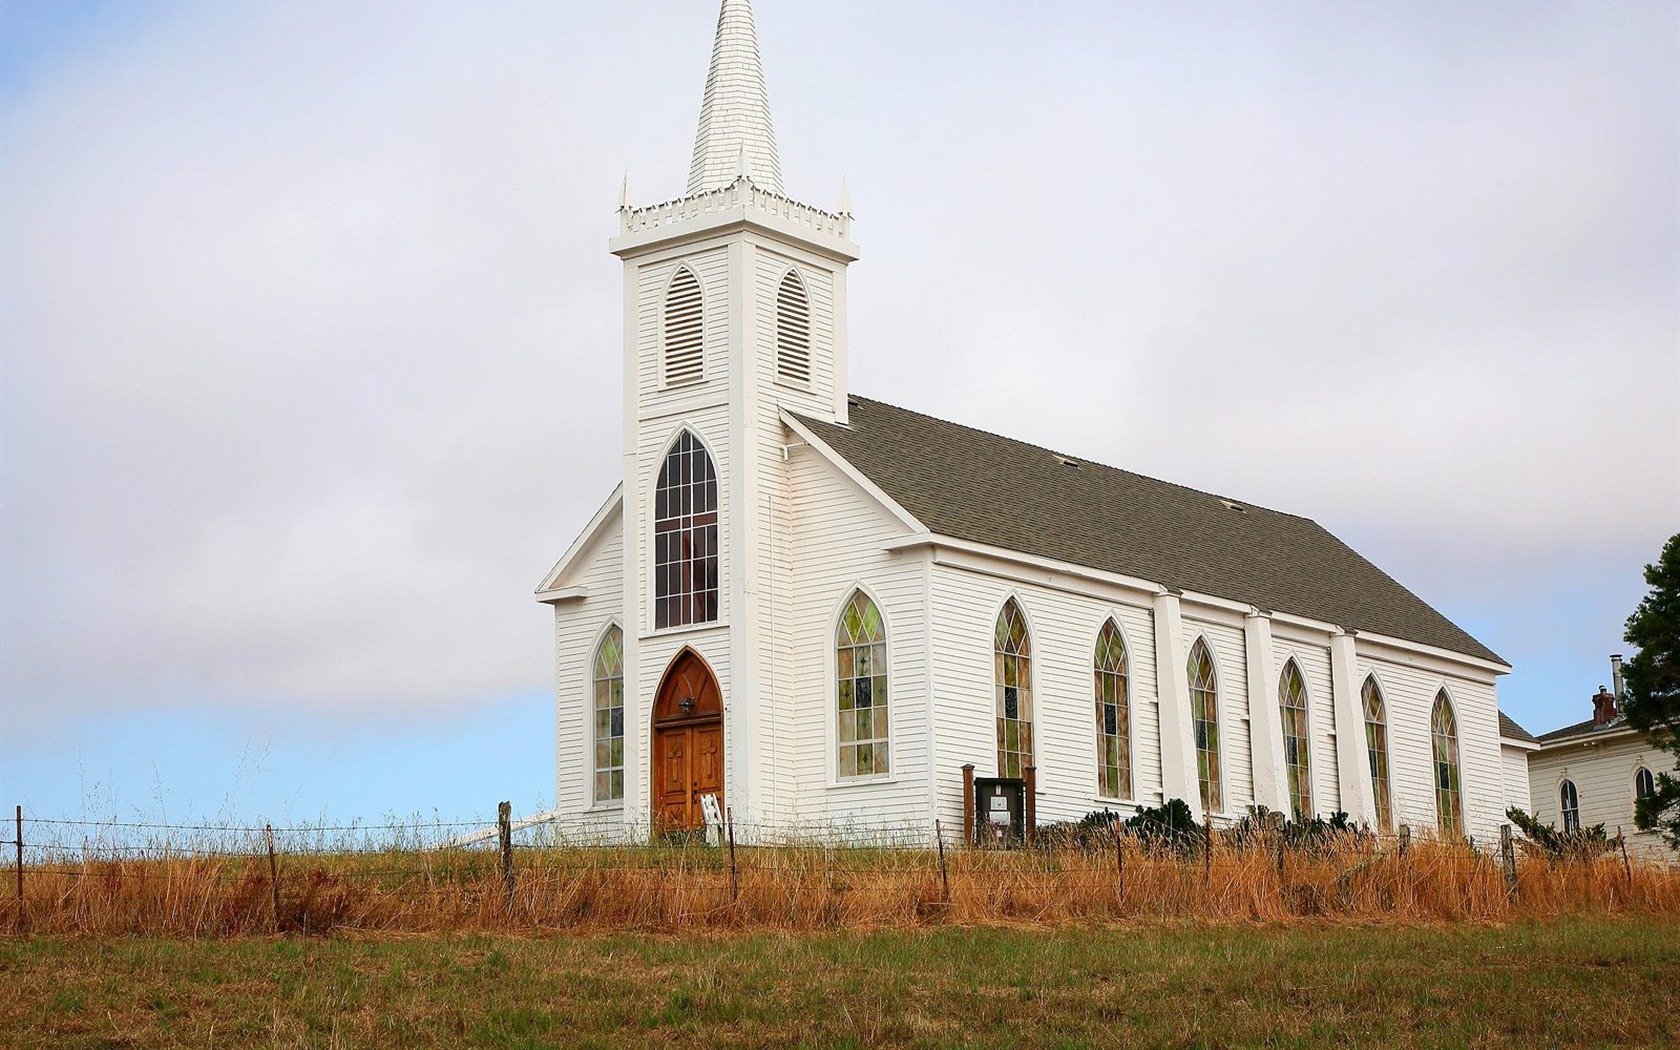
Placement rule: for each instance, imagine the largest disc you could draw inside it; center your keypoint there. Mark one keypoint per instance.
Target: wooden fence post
(1508, 853)
(968, 804)
(1119, 863)
(944, 876)
(273, 876)
(734, 879)
(1621, 841)
(1405, 839)
(504, 832)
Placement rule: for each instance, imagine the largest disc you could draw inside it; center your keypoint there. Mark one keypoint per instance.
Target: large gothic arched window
(685, 537)
(1297, 752)
(793, 331)
(1114, 716)
(860, 653)
(1012, 652)
(1376, 748)
(685, 340)
(609, 717)
(1449, 786)
(1204, 718)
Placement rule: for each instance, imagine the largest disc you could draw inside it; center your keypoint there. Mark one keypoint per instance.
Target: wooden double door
(687, 744)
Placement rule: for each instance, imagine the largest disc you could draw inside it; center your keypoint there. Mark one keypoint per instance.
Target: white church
(817, 608)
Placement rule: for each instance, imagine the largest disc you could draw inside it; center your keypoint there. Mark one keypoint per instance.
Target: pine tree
(1652, 700)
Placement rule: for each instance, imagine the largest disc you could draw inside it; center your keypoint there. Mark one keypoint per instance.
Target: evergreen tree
(1652, 700)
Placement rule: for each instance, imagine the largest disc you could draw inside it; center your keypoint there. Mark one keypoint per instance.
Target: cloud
(312, 349)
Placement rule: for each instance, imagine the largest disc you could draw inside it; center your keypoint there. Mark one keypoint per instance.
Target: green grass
(1575, 982)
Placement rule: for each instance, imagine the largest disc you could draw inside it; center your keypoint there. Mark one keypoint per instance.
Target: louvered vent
(793, 331)
(685, 360)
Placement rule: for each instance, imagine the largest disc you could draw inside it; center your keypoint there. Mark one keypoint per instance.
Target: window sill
(858, 782)
(607, 807)
(687, 628)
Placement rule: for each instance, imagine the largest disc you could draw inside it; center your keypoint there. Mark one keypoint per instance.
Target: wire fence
(138, 877)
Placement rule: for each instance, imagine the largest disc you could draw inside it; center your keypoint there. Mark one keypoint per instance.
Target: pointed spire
(735, 130)
(624, 194)
(845, 205)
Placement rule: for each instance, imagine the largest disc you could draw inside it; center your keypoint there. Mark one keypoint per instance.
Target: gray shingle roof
(1584, 729)
(1509, 729)
(977, 486)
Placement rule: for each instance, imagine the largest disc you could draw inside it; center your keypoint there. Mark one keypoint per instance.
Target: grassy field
(1580, 981)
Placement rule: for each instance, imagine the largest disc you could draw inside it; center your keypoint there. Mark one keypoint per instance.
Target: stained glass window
(1012, 651)
(1449, 789)
(860, 648)
(1376, 749)
(1570, 802)
(1204, 718)
(609, 717)
(1297, 756)
(1114, 716)
(685, 537)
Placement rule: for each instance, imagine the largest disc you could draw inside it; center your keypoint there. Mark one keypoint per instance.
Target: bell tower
(734, 311)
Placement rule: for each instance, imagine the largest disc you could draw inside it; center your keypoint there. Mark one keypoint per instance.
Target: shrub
(1544, 840)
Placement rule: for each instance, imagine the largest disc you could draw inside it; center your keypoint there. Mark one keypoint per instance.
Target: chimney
(1604, 707)
(1616, 674)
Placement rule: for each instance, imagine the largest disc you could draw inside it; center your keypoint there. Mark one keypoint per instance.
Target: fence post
(944, 876)
(968, 803)
(20, 860)
(1508, 853)
(734, 879)
(1119, 863)
(1280, 844)
(1405, 839)
(273, 876)
(504, 833)
(1207, 848)
(1621, 841)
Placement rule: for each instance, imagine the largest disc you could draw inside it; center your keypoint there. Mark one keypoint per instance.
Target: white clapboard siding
(1514, 761)
(816, 395)
(1064, 634)
(578, 627)
(1603, 775)
(837, 538)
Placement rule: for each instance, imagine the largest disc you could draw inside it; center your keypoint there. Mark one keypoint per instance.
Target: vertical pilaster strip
(1353, 770)
(1265, 728)
(637, 707)
(744, 705)
(1172, 684)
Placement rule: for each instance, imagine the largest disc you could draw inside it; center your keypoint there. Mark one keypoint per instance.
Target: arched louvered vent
(685, 360)
(793, 331)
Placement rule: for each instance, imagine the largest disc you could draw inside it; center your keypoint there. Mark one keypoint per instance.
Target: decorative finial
(624, 194)
(741, 162)
(845, 205)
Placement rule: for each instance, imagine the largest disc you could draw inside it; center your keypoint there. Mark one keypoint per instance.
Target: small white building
(819, 607)
(1594, 771)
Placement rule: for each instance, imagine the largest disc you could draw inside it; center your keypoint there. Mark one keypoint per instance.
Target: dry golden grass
(665, 889)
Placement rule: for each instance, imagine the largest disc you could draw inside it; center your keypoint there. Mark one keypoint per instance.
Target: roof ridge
(1086, 460)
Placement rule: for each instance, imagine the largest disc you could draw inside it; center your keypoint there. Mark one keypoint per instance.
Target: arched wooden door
(687, 743)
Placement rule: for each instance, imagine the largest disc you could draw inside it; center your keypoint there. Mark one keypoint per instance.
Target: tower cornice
(743, 204)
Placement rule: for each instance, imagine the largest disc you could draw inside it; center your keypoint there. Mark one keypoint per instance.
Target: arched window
(1012, 651)
(1644, 784)
(1114, 716)
(793, 331)
(1204, 715)
(1570, 802)
(685, 340)
(1449, 789)
(1376, 749)
(609, 717)
(685, 537)
(1297, 755)
(860, 648)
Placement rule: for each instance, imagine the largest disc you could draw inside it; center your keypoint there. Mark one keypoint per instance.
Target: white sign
(998, 809)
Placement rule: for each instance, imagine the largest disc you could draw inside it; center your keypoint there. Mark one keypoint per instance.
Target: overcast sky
(311, 341)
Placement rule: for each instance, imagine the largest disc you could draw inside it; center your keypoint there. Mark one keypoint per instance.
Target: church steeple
(735, 136)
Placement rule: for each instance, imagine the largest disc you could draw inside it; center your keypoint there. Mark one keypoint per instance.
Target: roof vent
(1066, 461)
(1231, 505)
